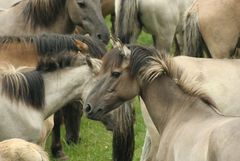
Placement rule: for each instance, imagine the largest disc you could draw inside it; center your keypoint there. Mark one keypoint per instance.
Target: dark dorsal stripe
(43, 12)
(27, 88)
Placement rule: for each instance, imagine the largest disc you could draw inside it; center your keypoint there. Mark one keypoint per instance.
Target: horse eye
(115, 74)
(81, 3)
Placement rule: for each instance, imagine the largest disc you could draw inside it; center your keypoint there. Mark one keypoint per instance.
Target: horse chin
(97, 116)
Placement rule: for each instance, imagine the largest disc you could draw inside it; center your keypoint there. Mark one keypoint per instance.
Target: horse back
(218, 78)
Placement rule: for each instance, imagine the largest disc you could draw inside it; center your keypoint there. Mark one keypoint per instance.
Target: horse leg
(72, 113)
(163, 41)
(46, 131)
(56, 147)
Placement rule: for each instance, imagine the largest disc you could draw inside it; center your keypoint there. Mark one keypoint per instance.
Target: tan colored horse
(213, 26)
(18, 149)
(186, 117)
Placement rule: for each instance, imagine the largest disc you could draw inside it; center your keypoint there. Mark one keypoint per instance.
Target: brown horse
(213, 26)
(187, 118)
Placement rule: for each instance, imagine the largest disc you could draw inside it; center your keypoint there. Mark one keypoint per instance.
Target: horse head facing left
(112, 87)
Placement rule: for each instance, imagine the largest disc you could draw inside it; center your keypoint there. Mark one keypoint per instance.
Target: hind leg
(56, 147)
(163, 42)
(72, 113)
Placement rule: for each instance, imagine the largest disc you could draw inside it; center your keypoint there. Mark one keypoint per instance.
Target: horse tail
(127, 22)
(123, 133)
(193, 42)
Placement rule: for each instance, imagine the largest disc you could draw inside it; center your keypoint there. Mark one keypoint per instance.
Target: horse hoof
(61, 156)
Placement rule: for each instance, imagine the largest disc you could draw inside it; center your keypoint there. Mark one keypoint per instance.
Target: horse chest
(20, 122)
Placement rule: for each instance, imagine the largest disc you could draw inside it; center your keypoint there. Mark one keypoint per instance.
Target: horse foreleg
(46, 131)
(72, 113)
(56, 147)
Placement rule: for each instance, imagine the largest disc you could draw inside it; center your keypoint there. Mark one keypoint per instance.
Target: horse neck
(64, 86)
(19, 54)
(165, 102)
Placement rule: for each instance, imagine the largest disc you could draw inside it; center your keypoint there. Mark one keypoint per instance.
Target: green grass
(96, 141)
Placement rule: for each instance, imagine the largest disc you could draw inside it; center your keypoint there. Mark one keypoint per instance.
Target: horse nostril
(88, 108)
(99, 36)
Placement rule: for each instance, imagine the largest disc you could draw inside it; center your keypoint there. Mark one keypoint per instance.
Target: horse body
(189, 129)
(10, 52)
(187, 119)
(28, 120)
(216, 25)
(162, 19)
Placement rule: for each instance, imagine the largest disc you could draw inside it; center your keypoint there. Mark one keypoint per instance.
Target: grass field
(96, 141)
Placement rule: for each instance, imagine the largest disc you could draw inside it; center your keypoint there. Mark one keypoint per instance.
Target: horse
(56, 16)
(162, 19)
(49, 46)
(212, 26)
(189, 123)
(32, 47)
(18, 149)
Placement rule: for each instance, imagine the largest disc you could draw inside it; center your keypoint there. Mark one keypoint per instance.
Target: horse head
(87, 14)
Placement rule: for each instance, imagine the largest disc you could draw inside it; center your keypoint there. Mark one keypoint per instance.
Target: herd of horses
(48, 75)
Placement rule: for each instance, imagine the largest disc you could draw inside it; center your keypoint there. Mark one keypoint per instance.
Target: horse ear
(81, 45)
(116, 43)
(94, 64)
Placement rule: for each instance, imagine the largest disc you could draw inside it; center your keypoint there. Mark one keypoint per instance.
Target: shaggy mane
(25, 87)
(55, 43)
(42, 12)
(146, 64)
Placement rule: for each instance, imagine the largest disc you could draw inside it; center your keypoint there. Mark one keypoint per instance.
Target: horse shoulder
(19, 121)
(224, 141)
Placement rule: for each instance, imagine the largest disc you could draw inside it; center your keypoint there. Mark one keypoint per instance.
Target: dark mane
(139, 58)
(25, 87)
(43, 12)
(55, 43)
(63, 59)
